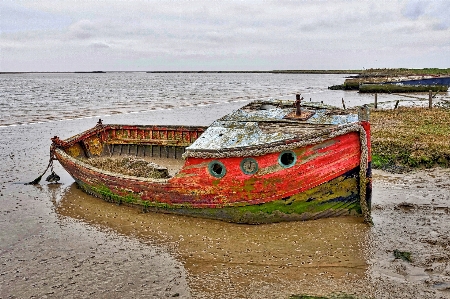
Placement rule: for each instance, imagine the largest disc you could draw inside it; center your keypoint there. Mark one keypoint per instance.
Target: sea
(30, 98)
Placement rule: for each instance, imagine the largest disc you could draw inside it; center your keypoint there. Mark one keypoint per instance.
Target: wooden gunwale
(103, 128)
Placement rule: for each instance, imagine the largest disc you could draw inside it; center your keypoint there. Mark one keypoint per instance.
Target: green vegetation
(403, 255)
(393, 88)
(378, 76)
(405, 72)
(348, 85)
(412, 137)
(316, 72)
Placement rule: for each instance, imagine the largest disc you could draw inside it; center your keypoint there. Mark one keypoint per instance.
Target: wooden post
(396, 104)
(343, 103)
(430, 99)
(376, 101)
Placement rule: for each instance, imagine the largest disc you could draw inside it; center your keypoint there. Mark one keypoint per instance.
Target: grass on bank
(378, 76)
(412, 137)
(393, 88)
(406, 72)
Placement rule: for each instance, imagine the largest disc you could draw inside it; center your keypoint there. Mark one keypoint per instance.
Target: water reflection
(275, 260)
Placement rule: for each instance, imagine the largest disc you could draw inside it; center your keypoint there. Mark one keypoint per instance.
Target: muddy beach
(57, 242)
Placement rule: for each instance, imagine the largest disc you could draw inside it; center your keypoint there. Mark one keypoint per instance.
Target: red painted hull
(323, 179)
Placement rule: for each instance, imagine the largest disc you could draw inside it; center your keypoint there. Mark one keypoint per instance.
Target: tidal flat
(58, 242)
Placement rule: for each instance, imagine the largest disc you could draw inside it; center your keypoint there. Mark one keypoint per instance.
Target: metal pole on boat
(430, 99)
(376, 101)
(298, 104)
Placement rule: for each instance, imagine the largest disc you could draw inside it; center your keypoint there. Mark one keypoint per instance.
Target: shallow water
(33, 98)
(58, 242)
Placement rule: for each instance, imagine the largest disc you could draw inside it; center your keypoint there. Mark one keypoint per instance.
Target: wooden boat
(261, 163)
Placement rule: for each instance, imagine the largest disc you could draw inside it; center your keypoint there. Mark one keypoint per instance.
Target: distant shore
(354, 72)
(359, 74)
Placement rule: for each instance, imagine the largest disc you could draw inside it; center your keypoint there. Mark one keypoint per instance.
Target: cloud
(415, 9)
(16, 18)
(83, 29)
(151, 34)
(437, 12)
(99, 45)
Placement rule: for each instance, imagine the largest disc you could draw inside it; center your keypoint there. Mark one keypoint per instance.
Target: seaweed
(404, 255)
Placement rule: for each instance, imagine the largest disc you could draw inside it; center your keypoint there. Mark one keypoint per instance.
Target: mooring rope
(53, 177)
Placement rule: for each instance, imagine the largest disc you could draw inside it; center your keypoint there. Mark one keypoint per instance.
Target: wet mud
(58, 242)
(411, 214)
(240, 261)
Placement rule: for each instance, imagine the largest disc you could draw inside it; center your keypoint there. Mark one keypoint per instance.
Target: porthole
(217, 169)
(249, 166)
(287, 159)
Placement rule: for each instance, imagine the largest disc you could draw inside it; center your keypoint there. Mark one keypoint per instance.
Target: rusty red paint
(341, 157)
(194, 185)
(236, 187)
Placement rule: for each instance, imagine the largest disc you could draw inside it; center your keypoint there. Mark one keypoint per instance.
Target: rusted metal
(298, 105)
(58, 142)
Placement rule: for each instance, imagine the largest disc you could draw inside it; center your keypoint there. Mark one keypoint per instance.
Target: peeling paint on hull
(317, 180)
(331, 199)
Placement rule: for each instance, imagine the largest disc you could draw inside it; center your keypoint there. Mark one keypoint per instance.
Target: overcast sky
(147, 35)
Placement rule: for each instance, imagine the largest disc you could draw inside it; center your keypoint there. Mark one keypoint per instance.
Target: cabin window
(287, 159)
(217, 169)
(249, 166)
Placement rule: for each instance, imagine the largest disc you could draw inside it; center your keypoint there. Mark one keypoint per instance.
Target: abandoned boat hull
(292, 179)
(323, 182)
(331, 199)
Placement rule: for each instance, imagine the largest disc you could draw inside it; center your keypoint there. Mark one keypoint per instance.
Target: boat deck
(268, 122)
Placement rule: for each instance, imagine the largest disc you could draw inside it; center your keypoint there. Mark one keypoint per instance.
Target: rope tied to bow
(53, 177)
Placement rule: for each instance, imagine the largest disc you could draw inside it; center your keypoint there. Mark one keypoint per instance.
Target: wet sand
(411, 213)
(57, 242)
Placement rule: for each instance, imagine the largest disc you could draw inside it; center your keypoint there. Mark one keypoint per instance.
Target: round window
(217, 169)
(249, 166)
(287, 159)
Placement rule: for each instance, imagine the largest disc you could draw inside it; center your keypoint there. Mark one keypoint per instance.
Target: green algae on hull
(329, 199)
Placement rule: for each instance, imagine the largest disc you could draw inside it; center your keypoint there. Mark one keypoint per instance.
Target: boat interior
(150, 151)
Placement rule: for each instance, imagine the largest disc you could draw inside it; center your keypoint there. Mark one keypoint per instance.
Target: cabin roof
(263, 122)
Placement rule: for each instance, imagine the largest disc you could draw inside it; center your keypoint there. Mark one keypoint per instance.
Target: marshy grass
(394, 88)
(373, 78)
(412, 137)
(406, 72)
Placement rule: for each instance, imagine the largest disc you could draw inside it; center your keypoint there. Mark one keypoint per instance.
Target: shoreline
(197, 72)
(363, 74)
